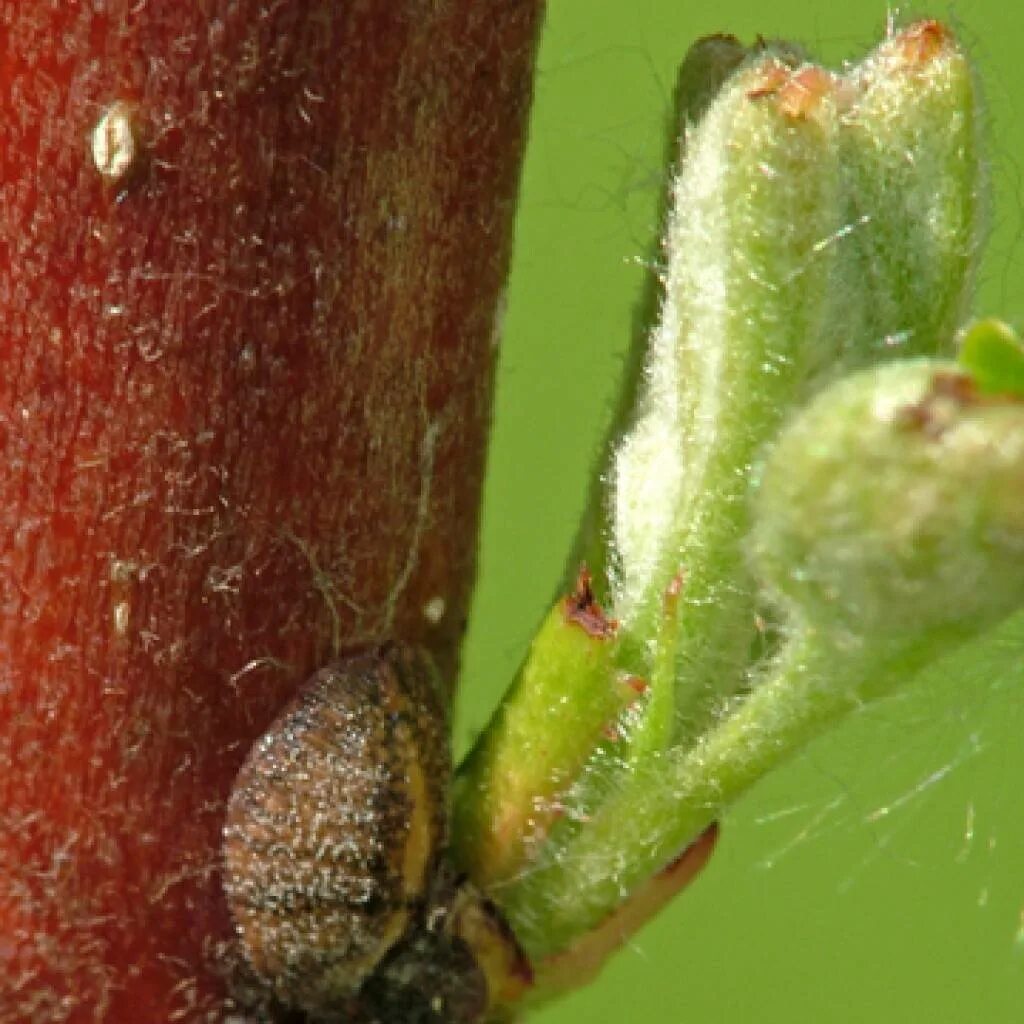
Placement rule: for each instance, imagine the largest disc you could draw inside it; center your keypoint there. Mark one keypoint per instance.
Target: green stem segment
(684, 792)
(801, 696)
(567, 698)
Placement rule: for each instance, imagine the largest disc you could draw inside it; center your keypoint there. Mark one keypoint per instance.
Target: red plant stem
(243, 405)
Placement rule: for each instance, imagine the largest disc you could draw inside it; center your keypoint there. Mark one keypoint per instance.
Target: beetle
(344, 902)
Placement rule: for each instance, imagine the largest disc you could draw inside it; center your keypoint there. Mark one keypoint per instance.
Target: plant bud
(746, 300)
(912, 171)
(892, 505)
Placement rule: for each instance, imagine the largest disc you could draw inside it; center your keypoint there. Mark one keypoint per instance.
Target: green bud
(746, 296)
(892, 505)
(818, 222)
(890, 528)
(912, 171)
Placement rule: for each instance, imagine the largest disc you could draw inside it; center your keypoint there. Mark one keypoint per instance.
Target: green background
(878, 877)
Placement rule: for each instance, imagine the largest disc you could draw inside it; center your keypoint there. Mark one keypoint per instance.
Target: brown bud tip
(921, 42)
(797, 94)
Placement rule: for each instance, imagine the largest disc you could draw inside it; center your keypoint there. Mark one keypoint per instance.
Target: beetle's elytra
(334, 825)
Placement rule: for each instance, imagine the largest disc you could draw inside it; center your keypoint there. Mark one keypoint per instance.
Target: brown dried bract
(582, 961)
(950, 391)
(922, 42)
(797, 94)
(774, 76)
(581, 608)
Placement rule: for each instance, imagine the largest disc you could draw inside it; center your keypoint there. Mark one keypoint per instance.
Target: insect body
(344, 905)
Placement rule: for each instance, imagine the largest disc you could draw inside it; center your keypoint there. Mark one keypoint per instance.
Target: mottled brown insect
(344, 905)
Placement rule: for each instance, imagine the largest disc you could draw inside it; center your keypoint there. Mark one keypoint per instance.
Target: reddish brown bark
(242, 415)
